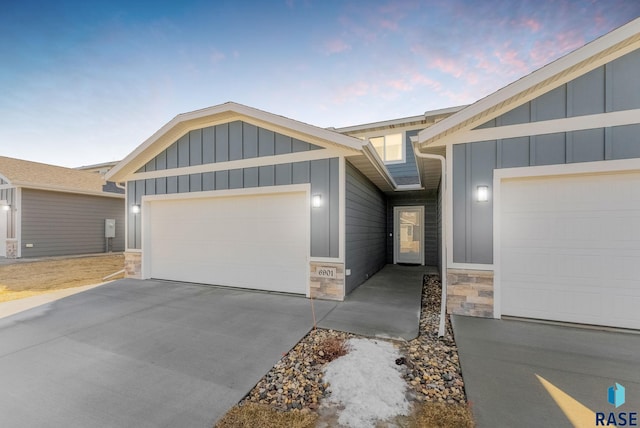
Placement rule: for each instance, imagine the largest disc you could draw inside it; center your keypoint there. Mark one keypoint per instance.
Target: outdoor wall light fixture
(316, 201)
(135, 209)
(483, 194)
(6, 207)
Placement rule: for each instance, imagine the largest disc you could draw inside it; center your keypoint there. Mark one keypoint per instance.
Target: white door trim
(396, 231)
(600, 167)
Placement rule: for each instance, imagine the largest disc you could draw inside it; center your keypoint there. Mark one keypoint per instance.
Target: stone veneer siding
(327, 288)
(133, 265)
(470, 292)
(12, 248)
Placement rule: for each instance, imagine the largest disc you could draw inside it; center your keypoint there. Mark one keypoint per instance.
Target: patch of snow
(367, 383)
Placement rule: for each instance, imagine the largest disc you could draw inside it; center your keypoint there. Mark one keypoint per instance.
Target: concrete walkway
(16, 306)
(502, 359)
(387, 305)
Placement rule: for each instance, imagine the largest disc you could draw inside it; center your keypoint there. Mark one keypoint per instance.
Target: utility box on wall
(110, 228)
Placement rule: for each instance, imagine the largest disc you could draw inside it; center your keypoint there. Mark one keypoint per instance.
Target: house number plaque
(326, 272)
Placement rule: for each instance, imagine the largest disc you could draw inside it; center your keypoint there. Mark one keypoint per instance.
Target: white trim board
(582, 168)
(240, 163)
(578, 123)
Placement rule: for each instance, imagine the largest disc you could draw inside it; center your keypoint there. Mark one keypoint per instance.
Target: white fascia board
(373, 157)
(628, 31)
(399, 122)
(577, 123)
(223, 113)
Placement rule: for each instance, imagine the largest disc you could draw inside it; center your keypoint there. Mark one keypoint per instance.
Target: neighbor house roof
(360, 152)
(36, 175)
(607, 48)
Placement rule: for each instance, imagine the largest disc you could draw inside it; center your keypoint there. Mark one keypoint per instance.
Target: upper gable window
(389, 147)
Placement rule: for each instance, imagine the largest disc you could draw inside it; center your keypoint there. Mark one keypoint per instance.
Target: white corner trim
(342, 208)
(448, 221)
(326, 260)
(240, 163)
(579, 168)
(18, 220)
(577, 123)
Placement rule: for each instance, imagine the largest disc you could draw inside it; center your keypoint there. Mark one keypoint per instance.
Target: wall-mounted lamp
(6, 207)
(135, 209)
(483, 194)
(316, 201)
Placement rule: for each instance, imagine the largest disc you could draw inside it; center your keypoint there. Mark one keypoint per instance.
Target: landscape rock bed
(432, 367)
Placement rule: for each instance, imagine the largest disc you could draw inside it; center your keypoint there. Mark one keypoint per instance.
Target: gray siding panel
(208, 181)
(283, 144)
(59, 223)
(222, 143)
(586, 94)
(195, 183)
(183, 184)
(183, 151)
(208, 145)
(195, 147)
(586, 145)
(250, 178)
(625, 142)
(222, 180)
(249, 140)
(365, 224)
(266, 142)
(548, 149)
(300, 172)
(625, 85)
(235, 179)
(235, 141)
(283, 174)
(266, 176)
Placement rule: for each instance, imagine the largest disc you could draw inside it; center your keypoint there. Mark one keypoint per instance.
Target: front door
(409, 235)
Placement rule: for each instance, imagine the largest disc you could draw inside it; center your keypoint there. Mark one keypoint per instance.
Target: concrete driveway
(143, 354)
(501, 358)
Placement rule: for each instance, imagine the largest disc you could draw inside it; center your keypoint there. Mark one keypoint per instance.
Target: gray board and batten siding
(365, 228)
(59, 223)
(240, 140)
(406, 172)
(612, 87)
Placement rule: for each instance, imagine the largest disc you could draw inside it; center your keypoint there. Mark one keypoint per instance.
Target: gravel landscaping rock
(432, 368)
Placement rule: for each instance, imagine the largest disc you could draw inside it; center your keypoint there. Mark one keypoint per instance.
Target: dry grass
(26, 279)
(331, 348)
(256, 415)
(440, 415)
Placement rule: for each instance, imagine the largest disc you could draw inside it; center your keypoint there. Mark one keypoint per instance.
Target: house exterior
(556, 156)
(527, 199)
(232, 195)
(48, 210)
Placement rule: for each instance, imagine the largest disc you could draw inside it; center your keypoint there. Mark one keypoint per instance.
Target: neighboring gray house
(538, 214)
(48, 210)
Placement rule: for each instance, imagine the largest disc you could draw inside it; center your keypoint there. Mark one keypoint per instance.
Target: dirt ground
(26, 279)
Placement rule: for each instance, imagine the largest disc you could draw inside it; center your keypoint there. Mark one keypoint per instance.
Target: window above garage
(389, 148)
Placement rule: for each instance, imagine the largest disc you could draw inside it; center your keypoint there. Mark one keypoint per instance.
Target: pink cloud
(448, 66)
(335, 46)
(532, 24)
(354, 90)
(510, 58)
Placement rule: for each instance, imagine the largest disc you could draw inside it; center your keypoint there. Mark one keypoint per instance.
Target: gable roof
(222, 113)
(605, 49)
(36, 175)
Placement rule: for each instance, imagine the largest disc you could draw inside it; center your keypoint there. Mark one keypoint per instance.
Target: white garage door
(570, 249)
(257, 241)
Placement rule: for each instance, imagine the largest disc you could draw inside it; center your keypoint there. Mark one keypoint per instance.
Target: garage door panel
(570, 248)
(254, 241)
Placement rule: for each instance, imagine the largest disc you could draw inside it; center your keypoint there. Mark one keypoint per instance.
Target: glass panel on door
(409, 234)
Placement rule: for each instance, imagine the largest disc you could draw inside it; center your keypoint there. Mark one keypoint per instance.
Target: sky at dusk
(86, 82)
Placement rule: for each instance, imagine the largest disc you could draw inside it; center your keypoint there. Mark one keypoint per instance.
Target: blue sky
(86, 82)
